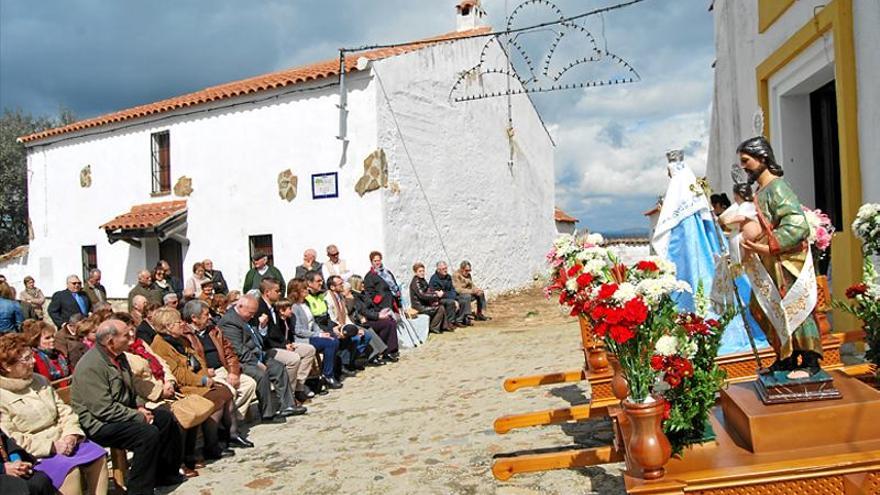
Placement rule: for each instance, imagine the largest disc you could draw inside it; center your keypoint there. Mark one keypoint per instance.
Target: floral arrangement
(821, 228)
(662, 352)
(864, 297)
(685, 357)
(867, 228)
(864, 304)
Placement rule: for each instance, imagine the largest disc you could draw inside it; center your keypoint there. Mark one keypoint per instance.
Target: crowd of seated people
(190, 359)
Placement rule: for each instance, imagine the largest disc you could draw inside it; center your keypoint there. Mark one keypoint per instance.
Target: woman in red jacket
(48, 361)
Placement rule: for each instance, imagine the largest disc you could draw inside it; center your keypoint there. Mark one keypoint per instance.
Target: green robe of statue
(786, 232)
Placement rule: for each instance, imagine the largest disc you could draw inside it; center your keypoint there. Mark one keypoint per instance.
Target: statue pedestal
(828, 447)
(775, 387)
(770, 428)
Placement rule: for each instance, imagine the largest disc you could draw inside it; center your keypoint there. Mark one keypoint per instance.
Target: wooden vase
(823, 305)
(595, 355)
(648, 445)
(619, 385)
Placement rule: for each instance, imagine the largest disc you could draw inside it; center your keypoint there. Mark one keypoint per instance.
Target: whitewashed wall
(233, 157)
(498, 217)
(740, 48)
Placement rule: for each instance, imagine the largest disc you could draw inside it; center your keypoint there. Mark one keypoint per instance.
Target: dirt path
(424, 425)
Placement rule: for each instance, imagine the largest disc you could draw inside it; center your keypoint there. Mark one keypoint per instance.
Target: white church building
(805, 74)
(270, 164)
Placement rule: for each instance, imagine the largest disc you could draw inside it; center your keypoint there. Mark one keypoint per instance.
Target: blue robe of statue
(685, 235)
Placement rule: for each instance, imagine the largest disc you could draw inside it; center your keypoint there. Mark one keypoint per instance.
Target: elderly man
(68, 302)
(216, 276)
(144, 282)
(221, 359)
(466, 289)
(103, 397)
(170, 300)
(262, 269)
(267, 372)
(335, 265)
(138, 303)
(173, 281)
(457, 310)
(310, 263)
(93, 288)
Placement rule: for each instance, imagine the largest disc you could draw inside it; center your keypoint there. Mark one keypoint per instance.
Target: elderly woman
(36, 418)
(193, 287)
(153, 380)
(48, 361)
(161, 283)
(193, 377)
(67, 339)
(307, 331)
(427, 301)
(33, 296)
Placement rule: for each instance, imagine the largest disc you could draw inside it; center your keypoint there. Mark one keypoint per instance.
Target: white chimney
(469, 15)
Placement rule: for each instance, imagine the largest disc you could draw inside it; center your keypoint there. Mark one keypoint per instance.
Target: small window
(161, 162)
(262, 244)
(89, 260)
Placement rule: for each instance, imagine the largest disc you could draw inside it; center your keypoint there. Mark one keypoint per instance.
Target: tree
(14, 173)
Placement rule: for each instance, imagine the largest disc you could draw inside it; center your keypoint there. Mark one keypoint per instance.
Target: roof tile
(280, 79)
(561, 216)
(146, 216)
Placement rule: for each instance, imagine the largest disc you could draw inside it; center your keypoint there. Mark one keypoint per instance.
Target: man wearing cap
(262, 269)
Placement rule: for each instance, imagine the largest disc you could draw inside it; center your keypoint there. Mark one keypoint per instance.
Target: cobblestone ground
(424, 425)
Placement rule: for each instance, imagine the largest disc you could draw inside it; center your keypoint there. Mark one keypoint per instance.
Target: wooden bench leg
(504, 424)
(506, 467)
(518, 382)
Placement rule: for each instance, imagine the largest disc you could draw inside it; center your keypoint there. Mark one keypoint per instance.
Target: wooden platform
(728, 466)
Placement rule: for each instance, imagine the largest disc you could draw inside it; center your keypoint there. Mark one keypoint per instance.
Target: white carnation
(689, 349)
(594, 266)
(571, 285)
(625, 292)
(595, 239)
(666, 345)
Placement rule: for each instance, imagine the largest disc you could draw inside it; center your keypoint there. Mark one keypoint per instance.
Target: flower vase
(619, 385)
(648, 445)
(594, 350)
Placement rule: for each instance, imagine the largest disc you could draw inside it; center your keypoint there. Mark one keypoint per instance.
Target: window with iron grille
(262, 244)
(161, 162)
(89, 260)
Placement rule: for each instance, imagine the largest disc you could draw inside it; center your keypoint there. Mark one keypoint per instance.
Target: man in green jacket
(262, 269)
(102, 395)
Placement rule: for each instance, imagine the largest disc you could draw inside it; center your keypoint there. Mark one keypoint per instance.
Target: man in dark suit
(93, 288)
(216, 276)
(68, 302)
(248, 345)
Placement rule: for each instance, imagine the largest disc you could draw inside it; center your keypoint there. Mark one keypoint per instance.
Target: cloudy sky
(96, 56)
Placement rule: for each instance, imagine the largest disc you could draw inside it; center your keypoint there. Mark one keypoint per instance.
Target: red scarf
(137, 348)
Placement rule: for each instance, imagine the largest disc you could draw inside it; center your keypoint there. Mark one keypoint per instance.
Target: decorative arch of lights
(536, 76)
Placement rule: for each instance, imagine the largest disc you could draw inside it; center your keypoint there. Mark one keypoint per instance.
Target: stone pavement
(424, 425)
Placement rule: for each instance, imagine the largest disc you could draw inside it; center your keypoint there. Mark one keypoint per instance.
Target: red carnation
(657, 362)
(672, 380)
(600, 329)
(856, 290)
(584, 279)
(636, 311)
(621, 333)
(574, 270)
(377, 299)
(667, 410)
(607, 290)
(647, 266)
(713, 323)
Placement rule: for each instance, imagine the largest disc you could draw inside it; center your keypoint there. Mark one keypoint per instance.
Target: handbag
(191, 410)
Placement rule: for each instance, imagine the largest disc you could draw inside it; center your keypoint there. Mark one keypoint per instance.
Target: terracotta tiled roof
(274, 80)
(562, 216)
(146, 216)
(18, 252)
